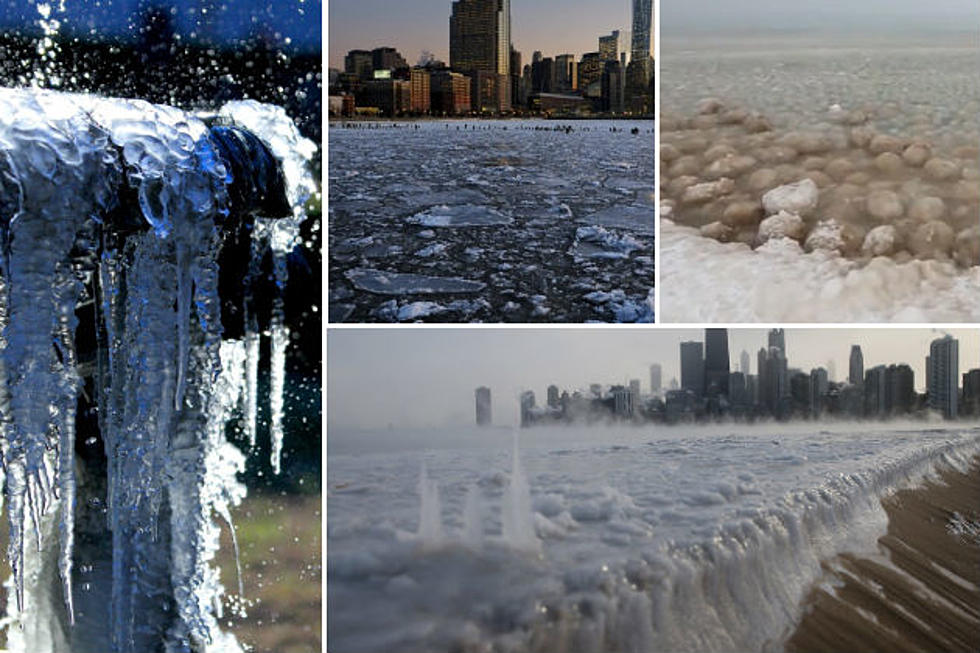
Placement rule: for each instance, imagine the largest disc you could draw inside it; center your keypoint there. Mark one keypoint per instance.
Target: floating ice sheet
(464, 215)
(397, 283)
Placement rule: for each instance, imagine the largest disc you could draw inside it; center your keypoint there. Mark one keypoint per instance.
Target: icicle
(280, 338)
(252, 342)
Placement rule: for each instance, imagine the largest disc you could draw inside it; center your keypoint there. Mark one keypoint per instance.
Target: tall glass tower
(642, 29)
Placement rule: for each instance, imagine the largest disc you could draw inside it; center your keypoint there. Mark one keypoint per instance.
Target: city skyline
(369, 24)
(410, 369)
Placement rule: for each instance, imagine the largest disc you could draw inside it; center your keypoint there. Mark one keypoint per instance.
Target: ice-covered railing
(131, 235)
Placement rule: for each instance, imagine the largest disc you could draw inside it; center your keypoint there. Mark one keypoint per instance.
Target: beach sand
(921, 592)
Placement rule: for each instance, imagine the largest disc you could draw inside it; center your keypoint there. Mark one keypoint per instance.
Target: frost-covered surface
(496, 202)
(165, 382)
(645, 539)
(882, 132)
(708, 281)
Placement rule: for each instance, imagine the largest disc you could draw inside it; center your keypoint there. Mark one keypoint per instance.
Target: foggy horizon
(427, 378)
(871, 16)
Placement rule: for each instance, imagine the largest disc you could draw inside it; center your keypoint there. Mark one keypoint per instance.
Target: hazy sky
(552, 26)
(846, 15)
(426, 377)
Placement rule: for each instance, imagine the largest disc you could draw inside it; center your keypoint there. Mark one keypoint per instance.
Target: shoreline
(920, 592)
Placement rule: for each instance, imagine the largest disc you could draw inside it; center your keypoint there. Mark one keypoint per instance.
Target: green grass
(280, 542)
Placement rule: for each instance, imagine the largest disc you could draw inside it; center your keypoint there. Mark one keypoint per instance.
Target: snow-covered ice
(504, 201)
(644, 538)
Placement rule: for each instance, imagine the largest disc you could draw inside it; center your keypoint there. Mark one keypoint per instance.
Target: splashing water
(430, 509)
(47, 48)
(164, 381)
(517, 516)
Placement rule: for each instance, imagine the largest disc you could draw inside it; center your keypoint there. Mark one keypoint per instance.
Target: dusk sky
(426, 377)
(552, 26)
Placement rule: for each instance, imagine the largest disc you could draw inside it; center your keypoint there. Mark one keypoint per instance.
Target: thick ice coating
(165, 383)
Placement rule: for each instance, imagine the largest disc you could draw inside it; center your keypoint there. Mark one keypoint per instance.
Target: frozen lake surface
(605, 538)
(551, 224)
(844, 173)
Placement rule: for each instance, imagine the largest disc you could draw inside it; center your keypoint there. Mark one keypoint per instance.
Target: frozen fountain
(132, 241)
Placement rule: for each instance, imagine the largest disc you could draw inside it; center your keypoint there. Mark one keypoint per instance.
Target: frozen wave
(686, 538)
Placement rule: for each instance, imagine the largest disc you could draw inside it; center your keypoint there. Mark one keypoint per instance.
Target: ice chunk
(398, 283)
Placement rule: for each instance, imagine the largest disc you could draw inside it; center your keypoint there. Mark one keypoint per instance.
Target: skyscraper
(745, 364)
(943, 376)
(479, 42)
(716, 362)
(609, 47)
(642, 30)
(656, 374)
(483, 414)
(692, 367)
(777, 339)
(855, 374)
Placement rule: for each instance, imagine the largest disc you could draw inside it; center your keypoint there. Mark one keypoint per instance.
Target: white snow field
(688, 538)
(842, 177)
(491, 221)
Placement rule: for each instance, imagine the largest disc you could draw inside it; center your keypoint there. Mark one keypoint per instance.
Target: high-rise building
(745, 364)
(899, 389)
(553, 397)
(656, 378)
(971, 393)
(777, 339)
(855, 374)
(590, 73)
(692, 367)
(359, 63)
(716, 362)
(642, 30)
(819, 386)
(566, 73)
(635, 391)
(421, 81)
(483, 407)
(609, 47)
(943, 370)
(479, 41)
(527, 408)
(875, 383)
(613, 88)
(622, 402)
(387, 59)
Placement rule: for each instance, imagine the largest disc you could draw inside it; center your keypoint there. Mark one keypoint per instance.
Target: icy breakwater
(680, 539)
(115, 218)
(504, 221)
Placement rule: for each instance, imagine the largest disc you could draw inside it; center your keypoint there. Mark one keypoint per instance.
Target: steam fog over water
(632, 539)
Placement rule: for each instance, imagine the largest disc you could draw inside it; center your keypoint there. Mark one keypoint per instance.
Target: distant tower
(656, 375)
(745, 364)
(943, 376)
(777, 339)
(716, 362)
(609, 47)
(527, 408)
(642, 30)
(553, 396)
(635, 391)
(483, 414)
(855, 375)
(479, 42)
(692, 367)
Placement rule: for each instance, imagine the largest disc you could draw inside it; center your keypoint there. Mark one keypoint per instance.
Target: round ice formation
(799, 198)
(830, 186)
(782, 225)
(880, 241)
(885, 205)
